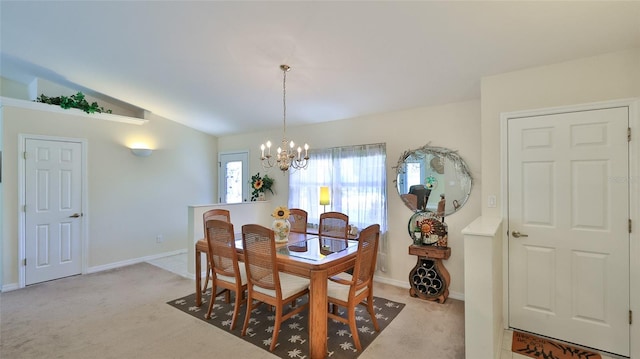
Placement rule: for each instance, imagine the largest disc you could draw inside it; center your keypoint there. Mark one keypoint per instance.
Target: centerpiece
(281, 225)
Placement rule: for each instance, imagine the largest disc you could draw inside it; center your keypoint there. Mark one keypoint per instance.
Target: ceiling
(214, 65)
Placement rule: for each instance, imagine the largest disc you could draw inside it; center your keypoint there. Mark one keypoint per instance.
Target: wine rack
(429, 278)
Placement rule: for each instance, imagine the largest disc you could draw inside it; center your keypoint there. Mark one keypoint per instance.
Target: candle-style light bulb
(306, 148)
(299, 151)
(291, 144)
(262, 149)
(269, 147)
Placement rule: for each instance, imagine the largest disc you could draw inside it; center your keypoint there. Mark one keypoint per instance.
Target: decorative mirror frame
(442, 152)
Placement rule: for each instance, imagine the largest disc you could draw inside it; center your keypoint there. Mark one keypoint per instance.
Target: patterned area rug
(542, 348)
(294, 334)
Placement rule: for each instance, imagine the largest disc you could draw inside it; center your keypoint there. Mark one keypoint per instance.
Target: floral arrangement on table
(281, 225)
(260, 185)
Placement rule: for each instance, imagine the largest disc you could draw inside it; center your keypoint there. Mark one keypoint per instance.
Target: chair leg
(238, 302)
(211, 300)
(276, 328)
(372, 312)
(206, 281)
(246, 317)
(354, 327)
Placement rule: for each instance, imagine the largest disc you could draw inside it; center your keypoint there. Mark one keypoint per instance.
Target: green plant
(260, 185)
(74, 101)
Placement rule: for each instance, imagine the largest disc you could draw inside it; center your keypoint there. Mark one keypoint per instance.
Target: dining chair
(220, 214)
(225, 271)
(265, 283)
(347, 290)
(334, 224)
(298, 220)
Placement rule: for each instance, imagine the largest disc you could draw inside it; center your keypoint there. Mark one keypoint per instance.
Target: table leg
(318, 314)
(198, 278)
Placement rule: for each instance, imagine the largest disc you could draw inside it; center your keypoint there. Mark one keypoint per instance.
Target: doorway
(52, 184)
(568, 220)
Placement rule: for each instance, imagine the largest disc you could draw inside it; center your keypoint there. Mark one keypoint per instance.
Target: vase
(261, 196)
(281, 228)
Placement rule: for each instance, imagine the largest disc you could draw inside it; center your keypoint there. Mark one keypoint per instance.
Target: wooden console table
(430, 279)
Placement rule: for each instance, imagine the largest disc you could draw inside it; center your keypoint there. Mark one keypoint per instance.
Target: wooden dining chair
(225, 271)
(347, 290)
(298, 220)
(334, 224)
(219, 214)
(265, 283)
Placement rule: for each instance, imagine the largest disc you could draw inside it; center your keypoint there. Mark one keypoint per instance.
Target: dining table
(311, 256)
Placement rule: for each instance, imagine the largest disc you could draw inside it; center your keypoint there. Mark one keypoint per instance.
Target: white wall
(131, 199)
(594, 79)
(456, 126)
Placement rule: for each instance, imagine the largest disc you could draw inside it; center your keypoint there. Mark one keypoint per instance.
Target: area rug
(294, 334)
(542, 348)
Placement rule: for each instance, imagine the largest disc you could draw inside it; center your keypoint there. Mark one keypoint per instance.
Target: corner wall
(131, 199)
(455, 126)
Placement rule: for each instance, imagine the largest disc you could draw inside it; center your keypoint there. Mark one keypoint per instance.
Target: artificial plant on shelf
(260, 185)
(74, 101)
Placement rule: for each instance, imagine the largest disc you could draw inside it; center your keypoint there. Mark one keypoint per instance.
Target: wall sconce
(142, 152)
(324, 197)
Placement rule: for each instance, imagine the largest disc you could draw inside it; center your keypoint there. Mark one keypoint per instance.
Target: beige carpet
(122, 313)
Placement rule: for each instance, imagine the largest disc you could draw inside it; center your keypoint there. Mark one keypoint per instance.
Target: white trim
(84, 232)
(131, 261)
(633, 104)
(14, 286)
(38, 106)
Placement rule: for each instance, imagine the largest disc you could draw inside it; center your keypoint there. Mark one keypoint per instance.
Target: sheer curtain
(356, 177)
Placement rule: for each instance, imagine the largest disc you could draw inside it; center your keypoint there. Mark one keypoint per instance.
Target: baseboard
(405, 285)
(9, 287)
(133, 261)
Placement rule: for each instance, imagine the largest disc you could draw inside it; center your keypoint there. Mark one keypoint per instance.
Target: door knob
(75, 215)
(517, 234)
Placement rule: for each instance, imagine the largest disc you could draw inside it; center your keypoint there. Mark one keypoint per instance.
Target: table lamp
(324, 197)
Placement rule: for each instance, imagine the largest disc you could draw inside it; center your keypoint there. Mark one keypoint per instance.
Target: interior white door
(53, 211)
(568, 197)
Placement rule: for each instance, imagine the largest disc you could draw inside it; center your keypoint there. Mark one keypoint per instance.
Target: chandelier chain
(285, 158)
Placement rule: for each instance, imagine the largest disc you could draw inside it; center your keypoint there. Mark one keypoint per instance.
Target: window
(356, 177)
(233, 177)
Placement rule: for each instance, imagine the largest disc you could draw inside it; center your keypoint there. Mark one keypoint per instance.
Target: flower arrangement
(281, 212)
(281, 225)
(260, 185)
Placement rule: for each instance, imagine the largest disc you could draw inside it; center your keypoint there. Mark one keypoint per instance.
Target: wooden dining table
(310, 256)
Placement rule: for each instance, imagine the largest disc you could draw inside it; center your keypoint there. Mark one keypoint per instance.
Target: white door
(233, 177)
(568, 197)
(53, 209)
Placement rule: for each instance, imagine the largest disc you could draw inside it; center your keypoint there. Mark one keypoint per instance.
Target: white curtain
(356, 177)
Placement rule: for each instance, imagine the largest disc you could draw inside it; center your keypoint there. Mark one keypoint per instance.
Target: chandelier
(285, 158)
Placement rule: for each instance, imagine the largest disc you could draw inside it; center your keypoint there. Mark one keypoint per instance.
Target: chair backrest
(222, 247)
(366, 258)
(218, 213)
(334, 224)
(260, 257)
(298, 220)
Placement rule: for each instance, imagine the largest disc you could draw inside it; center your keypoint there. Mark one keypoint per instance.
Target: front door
(53, 209)
(568, 223)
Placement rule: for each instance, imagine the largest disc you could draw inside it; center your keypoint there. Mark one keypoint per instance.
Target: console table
(430, 279)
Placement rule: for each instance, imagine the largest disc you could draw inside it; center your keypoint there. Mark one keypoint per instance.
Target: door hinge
(628, 134)
(630, 225)
(630, 317)
(24, 154)
(24, 208)
(219, 164)
(24, 262)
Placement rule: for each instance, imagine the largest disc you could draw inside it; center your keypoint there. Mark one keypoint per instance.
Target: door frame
(633, 104)
(21, 201)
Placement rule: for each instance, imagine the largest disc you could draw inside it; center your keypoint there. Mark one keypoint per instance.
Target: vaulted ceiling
(214, 65)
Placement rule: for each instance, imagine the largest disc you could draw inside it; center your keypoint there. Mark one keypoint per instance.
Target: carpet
(542, 348)
(294, 335)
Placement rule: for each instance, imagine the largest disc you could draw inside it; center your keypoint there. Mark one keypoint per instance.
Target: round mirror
(433, 179)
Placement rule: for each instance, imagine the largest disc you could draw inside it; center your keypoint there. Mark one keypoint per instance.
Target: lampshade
(324, 196)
